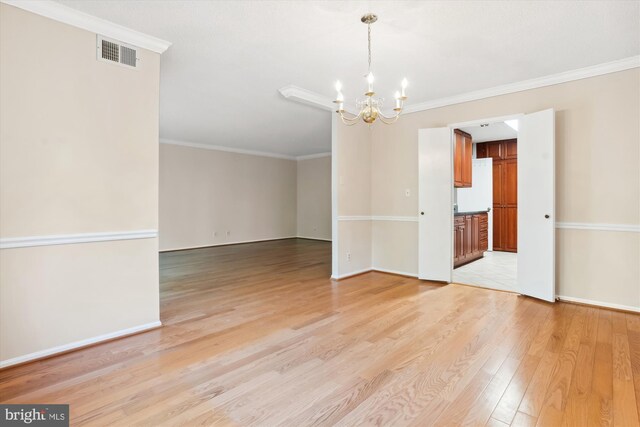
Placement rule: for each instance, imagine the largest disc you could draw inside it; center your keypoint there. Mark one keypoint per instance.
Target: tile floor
(497, 270)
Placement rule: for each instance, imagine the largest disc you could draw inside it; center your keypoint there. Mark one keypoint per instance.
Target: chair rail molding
(67, 239)
(633, 228)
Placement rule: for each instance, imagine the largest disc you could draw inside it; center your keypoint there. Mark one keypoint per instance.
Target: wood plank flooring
(257, 334)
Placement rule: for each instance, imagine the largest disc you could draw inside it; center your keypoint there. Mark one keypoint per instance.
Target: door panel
(494, 150)
(510, 182)
(498, 226)
(511, 149)
(435, 193)
(498, 183)
(458, 160)
(466, 162)
(536, 209)
(510, 229)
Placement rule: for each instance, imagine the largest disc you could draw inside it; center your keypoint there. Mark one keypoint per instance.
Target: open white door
(435, 201)
(536, 205)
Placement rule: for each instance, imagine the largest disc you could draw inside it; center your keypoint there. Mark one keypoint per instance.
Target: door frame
(476, 122)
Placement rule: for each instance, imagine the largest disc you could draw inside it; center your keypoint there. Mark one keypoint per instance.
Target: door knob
(421, 213)
(546, 216)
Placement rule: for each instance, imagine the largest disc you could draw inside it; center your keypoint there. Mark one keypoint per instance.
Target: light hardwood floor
(257, 334)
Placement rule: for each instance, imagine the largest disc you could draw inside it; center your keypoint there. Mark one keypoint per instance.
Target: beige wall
(314, 198)
(353, 184)
(597, 178)
(78, 154)
(203, 192)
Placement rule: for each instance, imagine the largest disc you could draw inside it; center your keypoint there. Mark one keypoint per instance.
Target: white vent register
(116, 52)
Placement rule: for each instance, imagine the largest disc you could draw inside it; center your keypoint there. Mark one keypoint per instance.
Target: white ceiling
(220, 78)
(494, 132)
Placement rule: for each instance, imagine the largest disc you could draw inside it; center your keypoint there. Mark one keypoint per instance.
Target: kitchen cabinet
(462, 158)
(505, 191)
(470, 237)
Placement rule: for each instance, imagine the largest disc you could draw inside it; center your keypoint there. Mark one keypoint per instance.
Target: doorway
(527, 222)
(485, 205)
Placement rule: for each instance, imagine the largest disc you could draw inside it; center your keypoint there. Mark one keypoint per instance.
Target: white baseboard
(237, 242)
(399, 273)
(353, 273)
(599, 303)
(78, 344)
(313, 238)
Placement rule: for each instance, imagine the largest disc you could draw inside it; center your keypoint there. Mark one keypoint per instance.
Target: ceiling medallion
(370, 107)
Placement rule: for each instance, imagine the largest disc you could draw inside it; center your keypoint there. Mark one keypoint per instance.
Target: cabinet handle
(546, 216)
(421, 213)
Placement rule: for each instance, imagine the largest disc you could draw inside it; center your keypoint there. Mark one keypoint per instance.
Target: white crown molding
(554, 79)
(304, 96)
(226, 149)
(78, 344)
(633, 228)
(70, 16)
(598, 303)
(67, 239)
(313, 156)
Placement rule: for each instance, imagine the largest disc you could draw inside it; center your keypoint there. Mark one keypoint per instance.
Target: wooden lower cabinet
(470, 237)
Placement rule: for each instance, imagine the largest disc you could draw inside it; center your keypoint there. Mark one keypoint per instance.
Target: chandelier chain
(369, 40)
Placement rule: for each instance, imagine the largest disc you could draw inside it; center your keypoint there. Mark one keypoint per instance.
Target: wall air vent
(115, 52)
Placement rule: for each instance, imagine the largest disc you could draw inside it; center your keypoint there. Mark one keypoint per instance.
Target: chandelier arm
(388, 120)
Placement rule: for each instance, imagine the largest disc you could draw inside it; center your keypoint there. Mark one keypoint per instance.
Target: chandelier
(370, 108)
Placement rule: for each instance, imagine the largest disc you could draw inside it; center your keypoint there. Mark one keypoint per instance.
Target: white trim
(334, 197)
(313, 238)
(633, 228)
(236, 242)
(66, 239)
(226, 149)
(355, 218)
(482, 121)
(304, 96)
(554, 79)
(313, 156)
(599, 303)
(353, 273)
(378, 218)
(396, 272)
(394, 218)
(78, 344)
(58, 12)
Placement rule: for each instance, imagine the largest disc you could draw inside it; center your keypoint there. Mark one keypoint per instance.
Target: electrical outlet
(407, 192)
(349, 256)
(228, 233)
(315, 228)
(215, 234)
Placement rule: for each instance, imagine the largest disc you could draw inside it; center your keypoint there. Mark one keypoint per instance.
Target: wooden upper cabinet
(494, 150)
(481, 151)
(510, 149)
(457, 159)
(463, 156)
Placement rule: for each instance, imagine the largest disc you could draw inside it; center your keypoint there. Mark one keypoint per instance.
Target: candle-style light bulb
(338, 86)
(404, 86)
(397, 97)
(370, 81)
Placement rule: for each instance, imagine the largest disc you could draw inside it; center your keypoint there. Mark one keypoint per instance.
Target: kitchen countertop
(470, 212)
